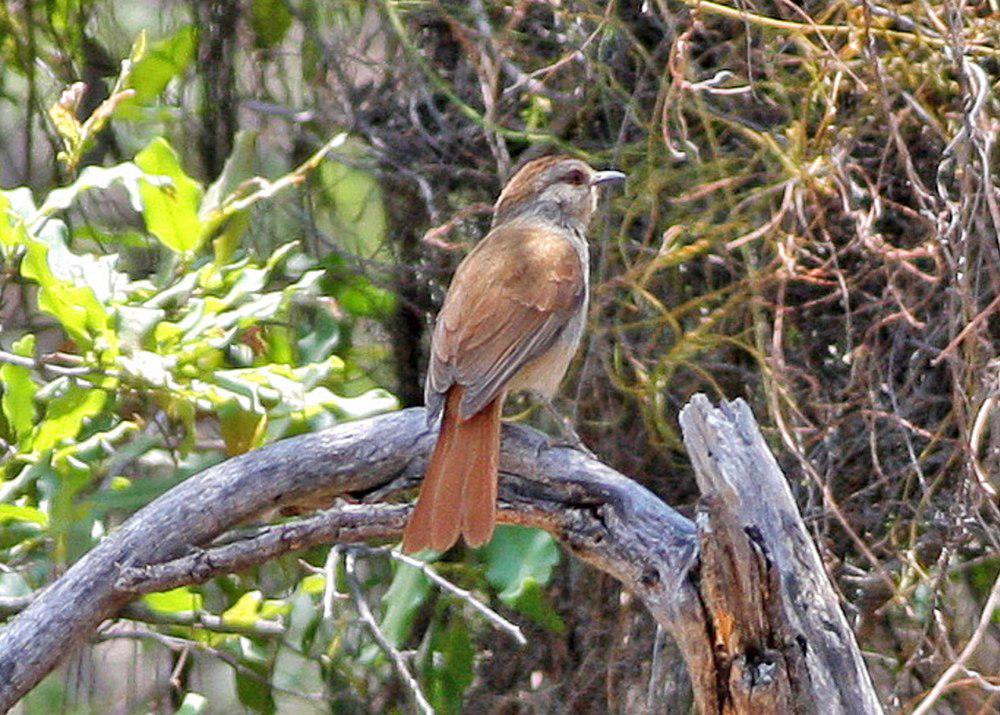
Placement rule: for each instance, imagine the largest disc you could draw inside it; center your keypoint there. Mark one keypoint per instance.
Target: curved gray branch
(581, 500)
(192, 533)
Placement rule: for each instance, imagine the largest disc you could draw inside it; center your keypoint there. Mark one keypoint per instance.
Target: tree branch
(187, 536)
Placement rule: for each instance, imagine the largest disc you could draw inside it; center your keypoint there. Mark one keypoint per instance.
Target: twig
(344, 523)
(492, 616)
(330, 592)
(985, 619)
(813, 28)
(182, 644)
(267, 189)
(979, 318)
(436, 236)
(365, 613)
(263, 628)
(656, 669)
(22, 361)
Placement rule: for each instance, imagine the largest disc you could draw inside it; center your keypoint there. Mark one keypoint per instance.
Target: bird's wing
(508, 302)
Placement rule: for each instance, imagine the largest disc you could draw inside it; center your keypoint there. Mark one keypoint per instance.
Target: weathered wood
(738, 616)
(784, 644)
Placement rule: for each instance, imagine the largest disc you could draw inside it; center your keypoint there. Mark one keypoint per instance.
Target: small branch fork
(498, 621)
(365, 612)
(783, 642)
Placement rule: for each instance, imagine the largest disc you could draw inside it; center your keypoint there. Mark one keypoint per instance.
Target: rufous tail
(459, 492)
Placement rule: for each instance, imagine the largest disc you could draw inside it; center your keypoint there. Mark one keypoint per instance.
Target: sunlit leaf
(18, 401)
(177, 600)
(246, 611)
(9, 512)
(65, 415)
(171, 211)
(193, 704)
(163, 60)
(128, 175)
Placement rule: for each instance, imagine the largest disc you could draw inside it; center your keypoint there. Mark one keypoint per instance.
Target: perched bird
(512, 320)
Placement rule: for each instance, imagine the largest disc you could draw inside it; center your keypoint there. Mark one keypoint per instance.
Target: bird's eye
(576, 177)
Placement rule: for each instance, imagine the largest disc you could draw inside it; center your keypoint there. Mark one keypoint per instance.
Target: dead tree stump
(781, 643)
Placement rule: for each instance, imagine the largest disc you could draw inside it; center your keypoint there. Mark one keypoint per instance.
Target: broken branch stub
(782, 643)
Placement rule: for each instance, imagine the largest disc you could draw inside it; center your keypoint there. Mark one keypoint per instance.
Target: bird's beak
(606, 177)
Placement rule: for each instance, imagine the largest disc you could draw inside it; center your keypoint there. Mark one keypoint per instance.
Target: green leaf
(164, 60)
(406, 594)
(533, 601)
(242, 430)
(239, 167)
(246, 611)
(314, 584)
(9, 512)
(18, 402)
(254, 694)
(97, 177)
(65, 415)
(13, 584)
(18, 202)
(517, 553)
(351, 208)
(68, 283)
(270, 20)
(170, 211)
(320, 337)
(372, 402)
(451, 666)
(15, 207)
(519, 565)
(177, 600)
(353, 292)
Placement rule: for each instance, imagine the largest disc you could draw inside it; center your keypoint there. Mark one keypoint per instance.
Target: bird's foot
(569, 438)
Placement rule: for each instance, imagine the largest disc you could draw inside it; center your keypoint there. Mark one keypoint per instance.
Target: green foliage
(157, 338)
(406, 595)
(170, 209)
(164, 60)
(167, 321)
(18, 399)
(450, 665)
(519, 565)
(270, 20)
(193, 704)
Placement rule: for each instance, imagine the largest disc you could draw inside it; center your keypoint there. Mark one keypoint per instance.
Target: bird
(511, 320)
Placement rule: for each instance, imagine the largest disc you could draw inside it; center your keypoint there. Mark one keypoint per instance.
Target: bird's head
(554, 188)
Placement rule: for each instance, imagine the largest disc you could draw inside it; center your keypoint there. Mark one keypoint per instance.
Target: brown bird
(512, 320)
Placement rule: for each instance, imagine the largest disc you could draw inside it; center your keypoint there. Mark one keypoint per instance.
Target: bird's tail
(459, 491)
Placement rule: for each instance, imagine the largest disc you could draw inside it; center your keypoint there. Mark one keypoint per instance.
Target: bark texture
(742, 592)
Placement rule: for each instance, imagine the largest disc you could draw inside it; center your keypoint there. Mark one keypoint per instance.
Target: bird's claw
(572, 441)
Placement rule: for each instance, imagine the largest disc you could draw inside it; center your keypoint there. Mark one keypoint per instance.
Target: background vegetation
(219, 243)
